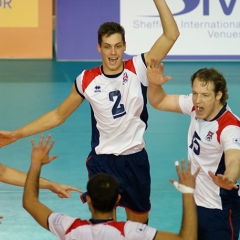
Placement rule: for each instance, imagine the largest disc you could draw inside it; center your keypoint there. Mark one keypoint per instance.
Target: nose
(113, 50)
(198, 98)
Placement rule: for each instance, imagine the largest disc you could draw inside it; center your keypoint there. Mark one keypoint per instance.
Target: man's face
(112, 50)
(206, 102)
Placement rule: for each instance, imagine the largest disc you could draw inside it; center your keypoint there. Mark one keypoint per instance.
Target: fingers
(33, 143)
(183, 166)
(40, 140)
(75, 189)
(64, 194)
(172, 180)
(47, 140)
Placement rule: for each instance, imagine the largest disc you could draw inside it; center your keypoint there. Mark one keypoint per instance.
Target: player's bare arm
(156, 94)
(188, 229)
(232, 173)
(169, 36)
(47, 121)
(31, 189)
(17, 178)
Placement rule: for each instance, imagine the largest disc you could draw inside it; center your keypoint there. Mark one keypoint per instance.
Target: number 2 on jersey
(118, 109)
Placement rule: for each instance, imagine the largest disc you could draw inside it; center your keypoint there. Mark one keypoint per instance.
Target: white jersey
(118, 105)
(68, 228)
(207, 142)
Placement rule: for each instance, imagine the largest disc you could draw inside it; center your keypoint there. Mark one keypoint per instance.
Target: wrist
(182, 188)
(17, 134)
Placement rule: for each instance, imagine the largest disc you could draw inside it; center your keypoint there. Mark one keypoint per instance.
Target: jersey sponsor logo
(209, 136)
(125, 78)
(142, 228)
(236, 141)
(97, 89)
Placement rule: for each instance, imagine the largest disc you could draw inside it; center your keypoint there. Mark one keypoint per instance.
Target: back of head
(213, 76)
(109, 28)
(103, 189)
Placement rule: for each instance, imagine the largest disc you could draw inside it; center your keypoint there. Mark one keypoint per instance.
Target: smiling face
(112, 49)
(206, 101)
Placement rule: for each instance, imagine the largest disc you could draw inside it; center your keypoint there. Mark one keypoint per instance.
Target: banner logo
(16, 13)
(190, 5)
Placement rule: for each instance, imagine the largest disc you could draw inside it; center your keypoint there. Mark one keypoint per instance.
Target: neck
(102, 216)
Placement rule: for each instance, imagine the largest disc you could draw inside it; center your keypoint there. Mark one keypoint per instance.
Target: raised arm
(186, 185)
(47, 121)
(170, 33)
(157, 97)
(31, 203)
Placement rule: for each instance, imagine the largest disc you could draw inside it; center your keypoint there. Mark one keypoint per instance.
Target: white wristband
(182, 188)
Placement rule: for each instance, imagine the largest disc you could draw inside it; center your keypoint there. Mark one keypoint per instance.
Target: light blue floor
(30, 88)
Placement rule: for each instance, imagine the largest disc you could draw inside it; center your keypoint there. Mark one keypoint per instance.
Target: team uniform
(218, 209)
(68, 228)
(119, 120)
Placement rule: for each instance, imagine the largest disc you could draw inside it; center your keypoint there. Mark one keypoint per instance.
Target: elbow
(24, 203)
(175, 36)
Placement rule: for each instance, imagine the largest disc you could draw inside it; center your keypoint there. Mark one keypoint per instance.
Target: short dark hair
(109, 28)
(212, 75)
(103, 189)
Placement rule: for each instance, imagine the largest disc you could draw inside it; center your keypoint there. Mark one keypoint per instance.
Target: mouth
(112, 60)
(199, 109)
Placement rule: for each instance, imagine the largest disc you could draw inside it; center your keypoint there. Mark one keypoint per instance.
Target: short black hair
(103, 189)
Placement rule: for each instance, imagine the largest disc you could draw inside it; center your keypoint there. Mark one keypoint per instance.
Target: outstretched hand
(6, 138)
(62, 190)
(40, 153)
(155, 73)
(185, 177)
(223, 181)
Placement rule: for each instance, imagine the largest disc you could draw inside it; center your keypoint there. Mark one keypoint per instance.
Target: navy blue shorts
(133, 173)
(216, 224)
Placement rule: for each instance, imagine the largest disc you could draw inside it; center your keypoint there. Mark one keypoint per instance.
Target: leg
(142, 218)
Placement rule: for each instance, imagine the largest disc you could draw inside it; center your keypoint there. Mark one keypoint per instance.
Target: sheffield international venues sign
(209, 29)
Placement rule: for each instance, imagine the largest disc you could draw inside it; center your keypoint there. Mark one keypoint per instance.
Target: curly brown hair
(212, 75)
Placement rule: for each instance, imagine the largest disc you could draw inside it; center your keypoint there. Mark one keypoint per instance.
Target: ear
(219, 95)
(118, 199)
(89, 200)
(99, 48)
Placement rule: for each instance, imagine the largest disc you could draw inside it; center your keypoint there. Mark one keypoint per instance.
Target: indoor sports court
(31, 87)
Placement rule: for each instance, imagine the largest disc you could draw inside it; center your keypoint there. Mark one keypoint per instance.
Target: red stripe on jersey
(130, 66)
(77, 223)
(118, 225)
(225, 120)
(90, 75)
